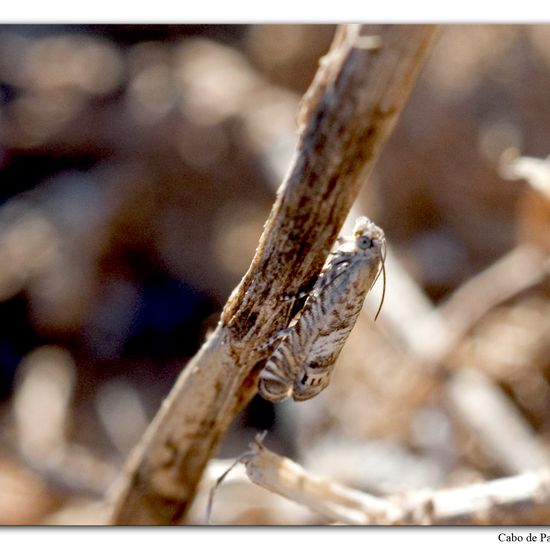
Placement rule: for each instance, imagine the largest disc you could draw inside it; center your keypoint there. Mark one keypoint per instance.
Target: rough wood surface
(347, 114)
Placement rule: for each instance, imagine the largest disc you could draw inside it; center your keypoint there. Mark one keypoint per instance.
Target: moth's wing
(313, 379)
(334, 268)
(314, 375)
(280, 371)
(328, 345)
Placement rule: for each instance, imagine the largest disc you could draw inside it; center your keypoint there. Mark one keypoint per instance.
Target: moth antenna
(383, 282)
(377, 275)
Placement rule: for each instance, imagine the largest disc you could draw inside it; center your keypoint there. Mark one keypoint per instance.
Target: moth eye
(364, 242)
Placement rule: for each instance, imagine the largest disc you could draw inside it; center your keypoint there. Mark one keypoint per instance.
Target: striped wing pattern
(303, 361)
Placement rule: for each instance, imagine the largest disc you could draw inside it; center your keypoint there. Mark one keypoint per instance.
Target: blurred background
(138, 164)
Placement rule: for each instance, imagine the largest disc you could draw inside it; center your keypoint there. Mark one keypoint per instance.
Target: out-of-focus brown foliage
(137, 171)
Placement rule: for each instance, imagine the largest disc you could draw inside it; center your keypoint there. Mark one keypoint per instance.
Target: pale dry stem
(525, 496)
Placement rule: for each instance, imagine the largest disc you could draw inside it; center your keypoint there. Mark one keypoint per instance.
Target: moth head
(367, 234)
(370, 239)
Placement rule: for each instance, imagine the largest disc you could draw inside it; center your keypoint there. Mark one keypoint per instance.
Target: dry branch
(432, 333)
(348, 113)
(522, 498)
(517, 271)
(495, 422)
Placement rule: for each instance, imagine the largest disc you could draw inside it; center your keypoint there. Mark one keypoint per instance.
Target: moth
(303, 360)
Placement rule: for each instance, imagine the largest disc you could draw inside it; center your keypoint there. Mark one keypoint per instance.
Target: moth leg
(267, 347)
(322, 282)
(299, 296)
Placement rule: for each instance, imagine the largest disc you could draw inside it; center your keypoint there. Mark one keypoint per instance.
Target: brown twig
(347, 115)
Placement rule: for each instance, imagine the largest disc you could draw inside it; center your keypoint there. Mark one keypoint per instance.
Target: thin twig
(522, 498)
(220, 479)
(347, 116)
(517, 271)
(332, 500)
(432, 333)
